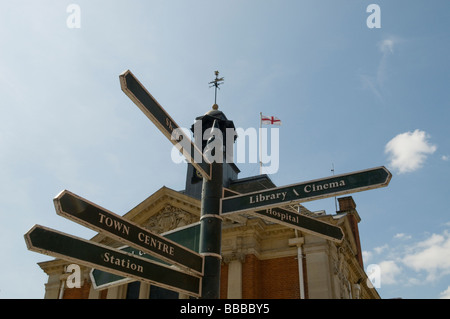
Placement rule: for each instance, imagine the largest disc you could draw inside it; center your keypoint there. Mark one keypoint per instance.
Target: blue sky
(348, 95)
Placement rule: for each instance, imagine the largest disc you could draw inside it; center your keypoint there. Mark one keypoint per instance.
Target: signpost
(99, 219)
(144, 100)
(199, 275)
(307, 191)
(53, 243)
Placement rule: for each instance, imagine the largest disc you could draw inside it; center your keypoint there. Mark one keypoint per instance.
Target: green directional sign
(188, 236)
(101, 279)
(154, 111)
(301, 222)
(307, 191)
(53, 243)
(86, 213)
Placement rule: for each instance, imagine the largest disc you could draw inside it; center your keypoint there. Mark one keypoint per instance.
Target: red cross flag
(270, 120)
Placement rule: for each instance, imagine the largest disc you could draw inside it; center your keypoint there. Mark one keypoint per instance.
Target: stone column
(299, 241)
(320, 284)
(234, 262)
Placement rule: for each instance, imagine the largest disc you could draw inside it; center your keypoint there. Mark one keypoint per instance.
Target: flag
(270, 120)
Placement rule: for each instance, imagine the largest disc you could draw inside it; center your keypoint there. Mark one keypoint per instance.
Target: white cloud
(387, 45)
(445, 157)
(402, 236)
(431, 255)
(370, 83)
(408, 151)
(389, 272)
(367, 256)
(411, 264)
(433, 240)
(380, 249)
(445, 294)
(376, 82)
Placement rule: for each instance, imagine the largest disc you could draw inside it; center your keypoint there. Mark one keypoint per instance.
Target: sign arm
(134, 89)
(290, 218)
(307, 191)
(95, 255)
(86, 213)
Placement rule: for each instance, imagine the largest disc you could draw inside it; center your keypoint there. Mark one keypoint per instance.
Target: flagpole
(260, 143)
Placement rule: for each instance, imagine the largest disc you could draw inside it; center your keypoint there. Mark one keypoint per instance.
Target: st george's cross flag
(270, 120)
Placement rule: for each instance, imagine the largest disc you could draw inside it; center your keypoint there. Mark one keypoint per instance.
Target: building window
(133, 290)
(162, 293)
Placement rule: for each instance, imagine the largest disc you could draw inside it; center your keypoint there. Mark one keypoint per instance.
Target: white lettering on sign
(261, 198)
(169, 124)
(153, 242)
(258, 198)
(117, 225)
(122, 262)
(319, 187)
(283, 216)
(142, 237)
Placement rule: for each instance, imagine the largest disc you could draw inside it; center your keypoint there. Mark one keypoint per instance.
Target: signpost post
(211, 231)
(53, 243)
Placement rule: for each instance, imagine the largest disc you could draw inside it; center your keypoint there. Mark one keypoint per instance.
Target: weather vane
(215, 83)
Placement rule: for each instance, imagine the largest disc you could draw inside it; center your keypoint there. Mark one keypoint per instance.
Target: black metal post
(211, 232)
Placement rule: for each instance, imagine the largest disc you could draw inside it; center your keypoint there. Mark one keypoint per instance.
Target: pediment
(165, 210)
(168, 218)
